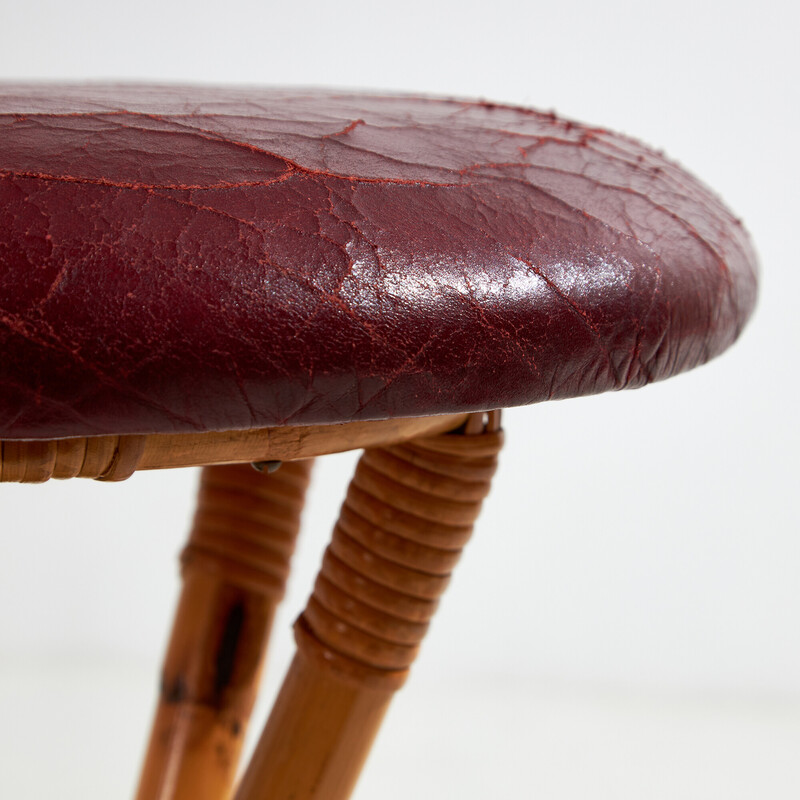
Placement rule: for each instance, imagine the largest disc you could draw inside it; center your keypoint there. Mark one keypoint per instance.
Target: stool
(226, 277)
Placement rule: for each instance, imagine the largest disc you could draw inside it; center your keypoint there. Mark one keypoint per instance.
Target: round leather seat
(182, 260)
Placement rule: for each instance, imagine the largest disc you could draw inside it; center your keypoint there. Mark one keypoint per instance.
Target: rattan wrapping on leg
(234, 569)
(408, 513)
(246, 524)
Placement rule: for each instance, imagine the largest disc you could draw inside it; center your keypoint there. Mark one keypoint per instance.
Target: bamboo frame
(115, 458)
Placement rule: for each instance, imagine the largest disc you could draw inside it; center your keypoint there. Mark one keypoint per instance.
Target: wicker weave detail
(246, 525)
(408, 513)
(105, 458)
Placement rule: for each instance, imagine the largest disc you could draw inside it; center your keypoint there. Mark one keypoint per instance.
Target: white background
(625, 622)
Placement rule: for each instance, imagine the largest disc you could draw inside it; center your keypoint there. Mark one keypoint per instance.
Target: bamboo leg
(409, 511)
(234, 573)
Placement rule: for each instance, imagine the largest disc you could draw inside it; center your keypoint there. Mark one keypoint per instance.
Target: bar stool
(237, 278)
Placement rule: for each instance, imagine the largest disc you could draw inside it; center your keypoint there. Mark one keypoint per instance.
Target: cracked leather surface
(193, 259)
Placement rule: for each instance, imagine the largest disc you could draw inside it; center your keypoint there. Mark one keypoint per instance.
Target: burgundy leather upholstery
(177, 259)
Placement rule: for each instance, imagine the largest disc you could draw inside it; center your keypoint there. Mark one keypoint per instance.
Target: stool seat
(212, 277)
(178, 260)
